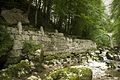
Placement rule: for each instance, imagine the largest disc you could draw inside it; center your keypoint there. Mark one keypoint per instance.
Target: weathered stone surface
(31, 32)
(32, 77)
(25, 32)
(25, 37)
(17, 45)
(14, 31)
(16, 53)
(60, 34)
(18, 37)
(42, 30)
(51, 42)
(14, 15)
(19, 25)
(35, 38)
(56, 31)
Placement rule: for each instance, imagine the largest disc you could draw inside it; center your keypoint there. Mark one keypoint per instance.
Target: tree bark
(36, 12)
(28, 11)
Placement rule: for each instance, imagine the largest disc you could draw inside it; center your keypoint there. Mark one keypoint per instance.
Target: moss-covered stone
(58, 56)
(19, 70)
(71, 74)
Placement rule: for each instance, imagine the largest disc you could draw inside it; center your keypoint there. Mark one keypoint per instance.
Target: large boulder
(14, 15)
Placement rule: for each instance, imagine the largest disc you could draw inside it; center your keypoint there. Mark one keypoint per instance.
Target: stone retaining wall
(51, 41)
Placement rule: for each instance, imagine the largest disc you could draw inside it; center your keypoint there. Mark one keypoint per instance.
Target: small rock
(97, 51)
(33, 78)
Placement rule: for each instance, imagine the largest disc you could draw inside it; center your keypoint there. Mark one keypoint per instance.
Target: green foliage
(71, 74)
(116, 19)
(100, 37)
(58, 56)
(30, 47)
(76, 17)
(19, 70)
(79, 17)
(33, 52)
(5, 41)
(115, 9)
(117, 35)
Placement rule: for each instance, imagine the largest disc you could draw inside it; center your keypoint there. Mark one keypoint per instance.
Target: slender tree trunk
(69, 22)
(36, 13)
(110, 38)
(111, 42)
(28, 11)
(49, 4)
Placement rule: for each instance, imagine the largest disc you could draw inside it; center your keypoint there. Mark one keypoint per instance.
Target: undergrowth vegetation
(71, 74)
(20, 70)
(30, 47)
(6, 41)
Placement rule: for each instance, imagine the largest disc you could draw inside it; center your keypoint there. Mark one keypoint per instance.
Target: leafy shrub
(33, 52)
(71, 74)
(117, 36)
(100, 37)
(30, 47)
(5, 41)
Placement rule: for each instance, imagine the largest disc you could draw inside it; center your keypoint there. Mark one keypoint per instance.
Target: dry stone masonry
(53, 42)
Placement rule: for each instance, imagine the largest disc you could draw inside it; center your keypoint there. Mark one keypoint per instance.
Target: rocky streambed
(104, 63)
(101, 64)
(101, 71)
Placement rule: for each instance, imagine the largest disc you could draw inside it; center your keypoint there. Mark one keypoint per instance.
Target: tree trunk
(36, 14)
(28, 11)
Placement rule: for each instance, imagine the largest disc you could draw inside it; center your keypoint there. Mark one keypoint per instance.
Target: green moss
(86, 74)
(58, 56)
(71, 74)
